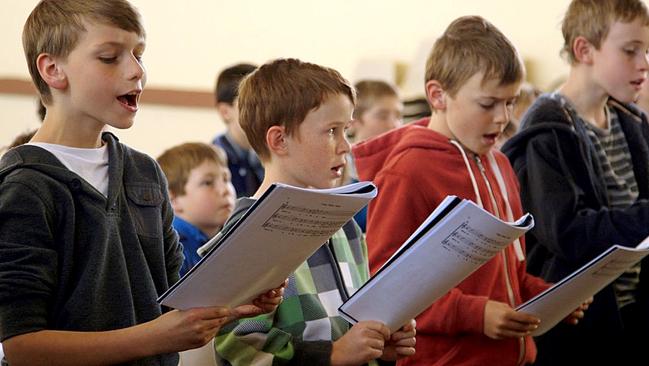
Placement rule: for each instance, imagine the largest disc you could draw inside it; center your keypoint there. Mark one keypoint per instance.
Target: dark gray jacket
(72, 259)
(563, 187)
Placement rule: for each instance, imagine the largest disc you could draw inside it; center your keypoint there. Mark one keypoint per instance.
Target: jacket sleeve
(261, 342)
(566, 224)
(28, 262)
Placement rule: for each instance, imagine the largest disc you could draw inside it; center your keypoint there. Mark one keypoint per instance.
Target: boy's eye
(108, 60)
(332, 131)
(487, 105)
(630, 51)
(207, 182)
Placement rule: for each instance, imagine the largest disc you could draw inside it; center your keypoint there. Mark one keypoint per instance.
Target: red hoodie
(415, 168)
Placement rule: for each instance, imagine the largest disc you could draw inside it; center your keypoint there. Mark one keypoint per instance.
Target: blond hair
(470, 45)
(592, 20)
(55, 26)
(178, 162)
(282, 93)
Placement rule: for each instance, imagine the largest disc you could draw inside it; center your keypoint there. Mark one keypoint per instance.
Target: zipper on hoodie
(508, 285)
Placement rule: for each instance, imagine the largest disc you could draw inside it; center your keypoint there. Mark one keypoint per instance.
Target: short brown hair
(227, 83)
(281, 93)
(368, 91)
(592, 20)
(178, 162)
(54, 27)
(470, 45)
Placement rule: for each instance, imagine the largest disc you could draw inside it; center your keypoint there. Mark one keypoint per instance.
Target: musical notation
(296, 220)
(472, 245)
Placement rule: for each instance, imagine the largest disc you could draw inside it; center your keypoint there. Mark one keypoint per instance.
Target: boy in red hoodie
(473, 76)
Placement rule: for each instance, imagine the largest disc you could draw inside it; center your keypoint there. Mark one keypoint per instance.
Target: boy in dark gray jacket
(86, 243)
(582, 158)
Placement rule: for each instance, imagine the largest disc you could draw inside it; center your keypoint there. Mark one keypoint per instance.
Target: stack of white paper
(557, 302)
(454, 241)
(279, 232)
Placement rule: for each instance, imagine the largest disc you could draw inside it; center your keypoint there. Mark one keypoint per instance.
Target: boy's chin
(624, 97)
(326, 185)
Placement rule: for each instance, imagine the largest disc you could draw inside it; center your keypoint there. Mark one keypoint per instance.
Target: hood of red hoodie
(370, 156)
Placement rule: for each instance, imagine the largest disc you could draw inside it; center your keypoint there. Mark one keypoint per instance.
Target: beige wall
(187, 46)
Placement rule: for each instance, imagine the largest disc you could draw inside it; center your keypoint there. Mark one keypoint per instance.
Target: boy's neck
(438, 123)
(273, 173)
(588, 98)
(60, 129)
(238, 136)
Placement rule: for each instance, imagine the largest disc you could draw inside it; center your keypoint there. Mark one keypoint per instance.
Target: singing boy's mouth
(637, 84)
(491, 137)
(338, 170)
(129, 100)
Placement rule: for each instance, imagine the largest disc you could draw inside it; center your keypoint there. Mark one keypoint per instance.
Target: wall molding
(151, 95)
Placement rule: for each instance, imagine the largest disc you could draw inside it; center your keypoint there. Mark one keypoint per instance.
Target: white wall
(187, 45)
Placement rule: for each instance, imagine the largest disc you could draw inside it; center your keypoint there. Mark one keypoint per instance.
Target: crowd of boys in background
(92, 231)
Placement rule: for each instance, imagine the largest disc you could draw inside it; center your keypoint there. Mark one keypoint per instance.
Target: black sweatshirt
(72, 259)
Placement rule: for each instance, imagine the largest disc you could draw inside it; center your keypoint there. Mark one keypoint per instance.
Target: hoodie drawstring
(518, 248)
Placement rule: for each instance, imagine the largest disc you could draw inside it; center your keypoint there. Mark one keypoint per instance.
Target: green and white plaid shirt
(302, 329)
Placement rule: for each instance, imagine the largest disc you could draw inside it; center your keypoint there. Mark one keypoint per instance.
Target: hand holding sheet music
(557, 302)
(455, 240)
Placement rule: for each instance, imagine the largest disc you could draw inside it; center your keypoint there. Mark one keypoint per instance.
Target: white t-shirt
(89, 164)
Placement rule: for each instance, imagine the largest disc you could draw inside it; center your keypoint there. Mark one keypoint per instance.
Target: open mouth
(638, 83)
(338, 170)
(491, 137)
(129, 100)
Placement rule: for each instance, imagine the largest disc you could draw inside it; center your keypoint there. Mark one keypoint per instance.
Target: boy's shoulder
(627, 111)
(34, 165)
(548, 108)
(401, 151)
(27, 163)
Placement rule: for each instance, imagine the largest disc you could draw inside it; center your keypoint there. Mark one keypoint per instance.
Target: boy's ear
(175, 203)
(226, 111)
(51, 71)
(355, 124)
(276, 140)
(436, 95)
(582, 49)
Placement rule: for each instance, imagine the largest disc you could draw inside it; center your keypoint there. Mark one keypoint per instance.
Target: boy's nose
(136, 69)
(345, 146)
(644, 64)
(228, 190)
(502, 115)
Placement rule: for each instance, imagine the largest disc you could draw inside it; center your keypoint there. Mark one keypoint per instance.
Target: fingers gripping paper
(454, 241)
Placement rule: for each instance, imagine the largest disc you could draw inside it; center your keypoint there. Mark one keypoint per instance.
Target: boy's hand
(578, 314)
(501, 321)
(264, 303)
(402, 343)
(180, 330)
(361, 344)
